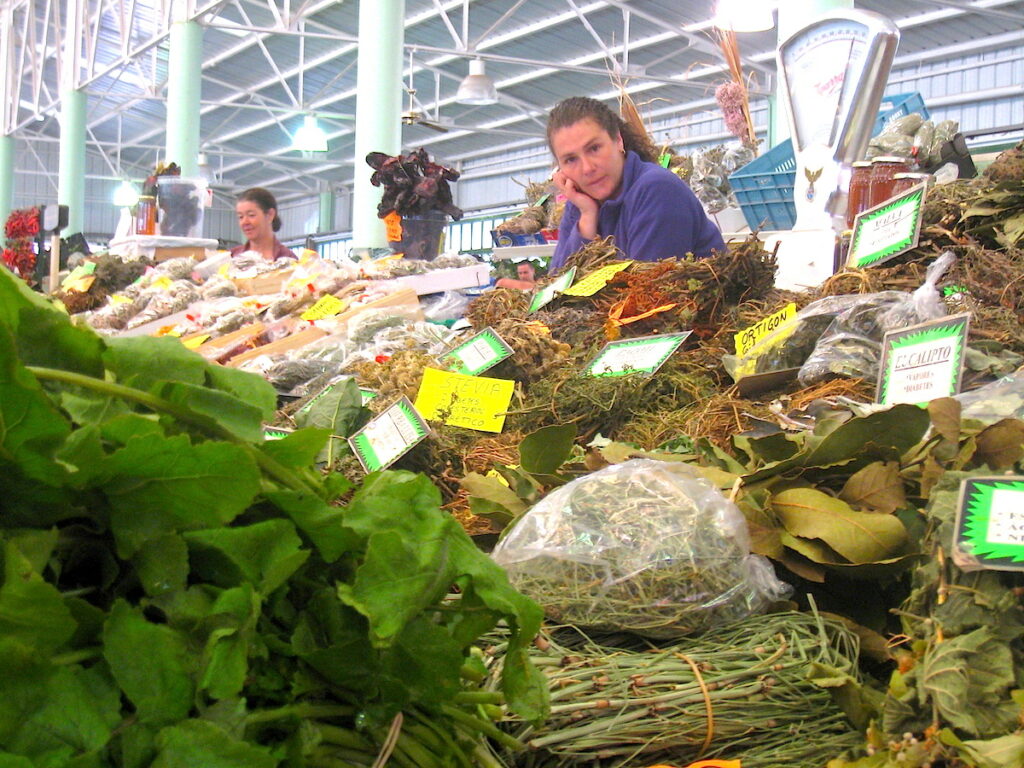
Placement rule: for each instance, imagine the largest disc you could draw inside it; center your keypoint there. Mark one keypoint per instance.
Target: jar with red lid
(904, 181)
(883, 169)
(145, 216)
(858, 194)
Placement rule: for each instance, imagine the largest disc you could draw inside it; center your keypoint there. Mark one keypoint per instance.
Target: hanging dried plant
(732, 96)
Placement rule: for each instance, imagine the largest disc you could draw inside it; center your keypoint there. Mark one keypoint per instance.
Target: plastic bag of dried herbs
(852, 344)
(651, 547)
(789, 345)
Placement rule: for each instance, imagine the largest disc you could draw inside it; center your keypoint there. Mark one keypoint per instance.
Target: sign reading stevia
(388, 437)
(473, 402)
(887, 230)
(923, 362)
(478, 353)
(644, 354)
(989, 529)
(547, 294)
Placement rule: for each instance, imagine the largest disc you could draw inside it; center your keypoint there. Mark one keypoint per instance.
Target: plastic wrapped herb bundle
(645, 546)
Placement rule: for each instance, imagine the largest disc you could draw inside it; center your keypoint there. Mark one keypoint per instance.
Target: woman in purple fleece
(612, 190)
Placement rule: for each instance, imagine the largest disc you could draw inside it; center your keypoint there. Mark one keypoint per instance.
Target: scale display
(834, 72)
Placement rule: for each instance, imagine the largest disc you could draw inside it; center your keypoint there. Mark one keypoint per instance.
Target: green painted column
(6, 177)
(794, 14)
(325, 221)
(71, 176)
(184, 86)
(378, 109)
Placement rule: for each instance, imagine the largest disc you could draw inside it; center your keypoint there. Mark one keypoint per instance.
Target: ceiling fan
(413, 116)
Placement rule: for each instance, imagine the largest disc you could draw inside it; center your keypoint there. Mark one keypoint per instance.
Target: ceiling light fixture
(310, 137)
(126, 195)
(477, 89)
(744, 15)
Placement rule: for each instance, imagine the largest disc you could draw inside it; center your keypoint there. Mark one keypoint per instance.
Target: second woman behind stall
(611, 189)
(257, 218)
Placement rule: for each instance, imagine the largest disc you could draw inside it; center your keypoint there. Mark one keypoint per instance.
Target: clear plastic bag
(651, 547)
(1001, 399)
(852, 344)
(450, 305)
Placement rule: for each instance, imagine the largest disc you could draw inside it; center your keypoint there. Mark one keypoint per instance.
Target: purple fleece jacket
(655, 216)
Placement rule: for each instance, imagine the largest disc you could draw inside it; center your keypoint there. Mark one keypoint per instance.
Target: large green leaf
(322, 523)
(32, 611)
(894, 430)
(31, 429)
(143, 361)
(226, 655)
(1001, 445)
(299, 448)
(222, 410)
(544, 451)
(333, 639)
(43, 333)
(201, 744)
(248, 387)
(151, 663)
(399, 578)
(264, 554)
(877, 487)
(1001, 752)
(976, 668)
(23, 675)
(81, 710)
(162, 564)
(489, 497)
(422, 665)
(158, 485)
(860, 537)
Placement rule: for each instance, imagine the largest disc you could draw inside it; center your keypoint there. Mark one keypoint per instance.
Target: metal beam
(977, 8)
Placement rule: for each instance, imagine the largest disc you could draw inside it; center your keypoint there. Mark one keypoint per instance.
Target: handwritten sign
(645, 354)
(480, 352)
(989, 530)
(887, 230)
(326, 306)
(393, 227)
(596, 280)
(748, 338)
(389, 437)
(923, 362)
(473, 402)
(546, 294)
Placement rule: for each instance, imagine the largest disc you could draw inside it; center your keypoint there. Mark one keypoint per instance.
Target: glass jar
(858, 194)
(883, 168)
(145, 215)
(904, 181)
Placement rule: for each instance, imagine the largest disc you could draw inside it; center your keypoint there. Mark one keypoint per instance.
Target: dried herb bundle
(494, 306)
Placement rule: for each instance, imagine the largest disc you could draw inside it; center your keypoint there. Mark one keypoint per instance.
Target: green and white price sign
(479, 353)
(990, 524)
(546, 294)
(388, 437)
(645, 354)
(276, 433)
(887, 230)
(923, 362)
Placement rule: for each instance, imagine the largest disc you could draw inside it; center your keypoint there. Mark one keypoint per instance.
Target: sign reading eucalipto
(989, 529)
(388, 437)
(923, 362)
(644, 354)
(546, 294)
(479, 353)
(887, 230)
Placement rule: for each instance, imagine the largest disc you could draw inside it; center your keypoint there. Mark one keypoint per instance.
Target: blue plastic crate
(764, 186)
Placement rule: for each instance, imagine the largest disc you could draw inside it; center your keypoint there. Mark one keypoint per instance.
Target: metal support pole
(378, 109)
(184, 86)
(325, 222)
(8, 108)
(71, 175)
(793, 15)
(6, 177)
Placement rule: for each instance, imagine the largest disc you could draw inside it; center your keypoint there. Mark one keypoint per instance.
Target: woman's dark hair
(577, 108)
(264, 200)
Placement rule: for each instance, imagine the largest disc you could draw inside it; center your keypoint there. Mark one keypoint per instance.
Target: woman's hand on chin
(574, 194)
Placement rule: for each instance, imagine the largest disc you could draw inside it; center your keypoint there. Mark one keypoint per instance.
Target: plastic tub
(421, 236)
(181, 206)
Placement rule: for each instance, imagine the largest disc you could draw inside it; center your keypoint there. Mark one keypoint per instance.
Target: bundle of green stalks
(743, 692)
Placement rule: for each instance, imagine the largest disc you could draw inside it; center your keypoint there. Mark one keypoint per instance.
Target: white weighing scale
(833, 71)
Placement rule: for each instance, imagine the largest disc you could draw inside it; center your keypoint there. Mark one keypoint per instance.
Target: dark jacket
(655, 216)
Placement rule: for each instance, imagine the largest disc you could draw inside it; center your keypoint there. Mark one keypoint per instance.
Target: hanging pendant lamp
(477, 88)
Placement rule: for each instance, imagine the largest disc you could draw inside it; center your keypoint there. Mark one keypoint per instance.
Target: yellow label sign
(473, 402)
(327, 306)
(597, 280)
(117, 298)
(196, 341)
(748, 338)
(162, 283)
(80, 284)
